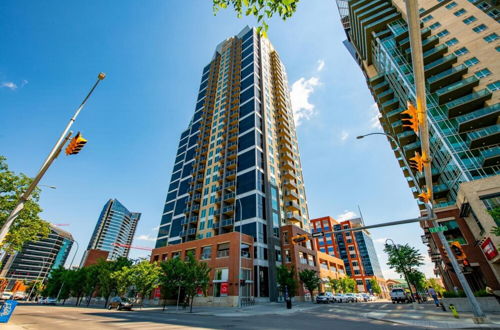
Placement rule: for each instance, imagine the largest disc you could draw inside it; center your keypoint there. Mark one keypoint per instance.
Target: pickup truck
(399, 296)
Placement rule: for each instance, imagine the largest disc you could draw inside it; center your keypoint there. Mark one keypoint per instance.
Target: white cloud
(299, 96)
(9, 84)
(156, 228)
(347, 215)
(374, 117)
(344, 135)
(146, 237)
(321, 65)
(24, 82)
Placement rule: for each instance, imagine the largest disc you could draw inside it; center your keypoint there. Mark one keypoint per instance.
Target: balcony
(290, 184)
(467, 103)
(233, 128)
(457, 89)
(199, 177)
(228, 210)
(285, 147)
(285, 132)
(440, 191)
(434, 53)
(390, 105)
(227, 223)
(480, 118)
(198, 187)
(232, 145)
(407, 137)
(380, 87)
(397, 126)
(291, 194)
(229, 197)
(233, 136)
(287, 156)
(439, 65)
(484, 136)
(410, 149)
(287, 165)
(232, 154)
(231, 164)
(491, 157)
(293, 217)
(449, 76)
(288, 174)
(292, 206)
(231, 175)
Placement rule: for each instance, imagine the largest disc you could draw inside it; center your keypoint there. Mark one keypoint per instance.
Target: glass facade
(237, 163)
(114, 230)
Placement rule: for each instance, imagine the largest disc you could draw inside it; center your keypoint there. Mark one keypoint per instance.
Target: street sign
(318, 234)
(438, 229)
(6, 310)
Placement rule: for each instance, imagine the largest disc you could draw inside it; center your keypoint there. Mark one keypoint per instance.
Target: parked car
(340, 298)
(6, 295)
(322, 298)
(50, 301)
(399, 296)
(20, 296)
(368, 297)
(351, 297)
(359, 297)
(120, 303)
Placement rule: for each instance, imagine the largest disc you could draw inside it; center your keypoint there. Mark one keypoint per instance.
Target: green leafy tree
(417, 278)
(171, 278)
(335, 285)
(108, 285)
(261, 9)
(348, 284)
(28, 226)
(286, 280)
(375, 286)
(404, 259)
(495, 214)
(434, 283)
(142, 277)
(310, 279)
(196, 277)
(91, 281)
(75, 279)
(54, 282)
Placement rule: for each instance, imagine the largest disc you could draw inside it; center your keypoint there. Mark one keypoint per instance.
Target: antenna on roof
(361, 215)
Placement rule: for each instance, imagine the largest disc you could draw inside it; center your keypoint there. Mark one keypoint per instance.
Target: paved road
(65, 317)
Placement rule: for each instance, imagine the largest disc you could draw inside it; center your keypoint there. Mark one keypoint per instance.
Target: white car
(351, 297)
(340, 298)
(6, 295)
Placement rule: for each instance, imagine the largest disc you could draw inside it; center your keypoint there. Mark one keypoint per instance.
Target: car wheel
(109, 307)
(118, 308)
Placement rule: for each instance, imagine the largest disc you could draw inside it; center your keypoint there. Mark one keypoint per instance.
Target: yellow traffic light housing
(300, 238)
(425, 196)
(458, 251)
(413, 120)
(75, 145)
(417, 162)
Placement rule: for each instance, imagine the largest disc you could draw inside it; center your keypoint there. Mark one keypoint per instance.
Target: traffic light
(413, 120)
(300, 238)
(458, 251)
(425, 196)
(417, 162)
(75, 145)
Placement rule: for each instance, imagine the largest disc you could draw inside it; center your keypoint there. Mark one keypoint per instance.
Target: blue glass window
(246, 82)
(246, 141)
(247, 108)
(246, 160)
(246, 124)
(245, 182)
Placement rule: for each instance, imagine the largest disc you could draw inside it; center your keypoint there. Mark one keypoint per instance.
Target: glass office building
(460, 40)
(38, 258)
(114, 231)
(237, 163)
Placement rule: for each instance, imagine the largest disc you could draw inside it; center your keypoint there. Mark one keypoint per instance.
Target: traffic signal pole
(66, 134)
(414, 32)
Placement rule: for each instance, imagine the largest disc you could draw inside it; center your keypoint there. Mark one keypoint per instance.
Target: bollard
(454, 311)
(442, 306)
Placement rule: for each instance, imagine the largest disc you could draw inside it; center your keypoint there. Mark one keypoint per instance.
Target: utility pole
(65, 135)
(421, 104)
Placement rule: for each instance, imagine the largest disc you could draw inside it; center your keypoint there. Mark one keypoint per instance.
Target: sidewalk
(435, 319)
(258, 309)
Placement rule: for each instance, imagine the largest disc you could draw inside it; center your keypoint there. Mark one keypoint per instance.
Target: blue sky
(153, 53)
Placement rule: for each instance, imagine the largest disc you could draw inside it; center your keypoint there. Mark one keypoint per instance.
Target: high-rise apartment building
(355, 248)
(238, 163)
(461, 45)
(114, 231)
(37, 258)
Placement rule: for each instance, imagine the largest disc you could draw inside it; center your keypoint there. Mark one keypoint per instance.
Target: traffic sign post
(318, 234)
(438, 229)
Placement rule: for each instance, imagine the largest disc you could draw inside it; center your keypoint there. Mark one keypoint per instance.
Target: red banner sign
(489, 249)
(224, 288)
(156, 293)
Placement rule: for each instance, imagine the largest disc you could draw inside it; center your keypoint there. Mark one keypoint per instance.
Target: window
(460, 12)
(443, 33)
(471, 61)
(189, 252)
(482, 73)
(435, 26)
(451, 5)
(451, 42)
(461, 51)
(479, 28)
(288, 257)
(206, 252)
(427, 18)
(494, 13)
(453, 232)
(497, 49)
(494, 86)
(469, 20)
(223, 250)
(484, 6)
(491, 37)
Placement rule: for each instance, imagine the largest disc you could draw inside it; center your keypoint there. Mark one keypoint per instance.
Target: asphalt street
(76, 318)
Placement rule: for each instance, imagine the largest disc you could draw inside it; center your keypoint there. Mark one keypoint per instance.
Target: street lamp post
(405, 274)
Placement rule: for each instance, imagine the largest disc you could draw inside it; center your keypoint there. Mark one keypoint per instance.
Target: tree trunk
(106, 302)
(191, 303)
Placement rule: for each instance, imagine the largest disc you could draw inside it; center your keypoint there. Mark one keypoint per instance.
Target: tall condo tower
(114, 230)
(238, 164)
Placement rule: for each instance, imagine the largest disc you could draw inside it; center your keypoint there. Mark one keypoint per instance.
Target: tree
(75, 279)
(108, 285)
(261, 9)
(286, 280)
(171, 278)
(348, 284)
(335, 285)
(417, 278)
(54, 282)
(310, 279)
(91, 281)
(142, 277)
(434, 283)
(28, 226)
(403, 259)
(196, 278)
(375, 287)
